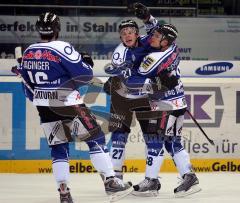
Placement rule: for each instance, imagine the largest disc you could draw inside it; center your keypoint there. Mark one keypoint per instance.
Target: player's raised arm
(143, 13)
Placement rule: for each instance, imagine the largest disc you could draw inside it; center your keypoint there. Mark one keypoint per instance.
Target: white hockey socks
(153, 166)
(61, 172)
(117, 155)
(102, 163)
(182, 161)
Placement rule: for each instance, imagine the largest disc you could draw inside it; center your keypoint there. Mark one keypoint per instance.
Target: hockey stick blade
(18, 54)
(198, 125)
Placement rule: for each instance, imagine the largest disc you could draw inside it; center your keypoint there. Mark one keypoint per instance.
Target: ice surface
(88, 188)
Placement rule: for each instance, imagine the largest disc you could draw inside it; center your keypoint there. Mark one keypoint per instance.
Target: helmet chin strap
(163, 37)
(136, 43)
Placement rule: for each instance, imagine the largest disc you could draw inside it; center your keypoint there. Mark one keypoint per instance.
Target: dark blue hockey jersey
(54, 70)
(153, 65)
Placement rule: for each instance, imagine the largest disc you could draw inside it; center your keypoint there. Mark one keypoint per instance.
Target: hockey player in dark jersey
(54, 71)
(160, 69)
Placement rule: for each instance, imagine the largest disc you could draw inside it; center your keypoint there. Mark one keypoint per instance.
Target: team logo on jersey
(46, 55)
(38, 54)
(147, 62)
(214, 68)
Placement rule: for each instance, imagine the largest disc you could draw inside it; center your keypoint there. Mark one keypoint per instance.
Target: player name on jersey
(36, 65)
(39, 94)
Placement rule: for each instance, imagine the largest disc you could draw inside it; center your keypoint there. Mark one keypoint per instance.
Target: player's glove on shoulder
(168, 81)
(86, 58)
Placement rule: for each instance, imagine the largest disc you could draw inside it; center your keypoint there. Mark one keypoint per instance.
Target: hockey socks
(61, 172)
(117, 151)
(182, 161)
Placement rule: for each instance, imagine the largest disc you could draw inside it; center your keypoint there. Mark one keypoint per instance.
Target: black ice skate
(65, 196)
(188, 186)
(116, 188)
(147, 188)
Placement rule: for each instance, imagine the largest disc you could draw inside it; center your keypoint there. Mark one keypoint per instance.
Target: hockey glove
(168, 81)
(141, 11)
(121, 70)
(86, 58)
(112, 84)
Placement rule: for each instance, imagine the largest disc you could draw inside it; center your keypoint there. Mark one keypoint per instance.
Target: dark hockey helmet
(48, 24)
(168, 31)
(128, 23)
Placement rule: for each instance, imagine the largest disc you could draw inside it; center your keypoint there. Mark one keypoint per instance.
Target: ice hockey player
(54, 70)
(161, 68)
(126, 56)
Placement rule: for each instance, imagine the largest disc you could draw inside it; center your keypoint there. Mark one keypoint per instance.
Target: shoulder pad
(119, 55)
(64, 49)
(153, 60)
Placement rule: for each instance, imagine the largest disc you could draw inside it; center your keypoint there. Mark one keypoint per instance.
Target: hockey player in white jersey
(54, 71)
(127, 55)
(160, 69)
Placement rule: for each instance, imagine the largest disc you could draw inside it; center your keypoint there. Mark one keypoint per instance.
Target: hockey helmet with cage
(168, 31)
(48, 24)
(128, 23)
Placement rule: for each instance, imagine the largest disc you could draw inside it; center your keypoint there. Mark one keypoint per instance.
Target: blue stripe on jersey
(159, 61)
(51, 48)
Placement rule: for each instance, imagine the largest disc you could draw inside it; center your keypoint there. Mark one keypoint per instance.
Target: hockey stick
(198, 125)
(18, 56)
(16, 71)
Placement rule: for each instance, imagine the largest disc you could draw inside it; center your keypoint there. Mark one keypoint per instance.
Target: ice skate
(188, 186)
(119, 175)
(116, 188)
(147, 188)
(65, 196)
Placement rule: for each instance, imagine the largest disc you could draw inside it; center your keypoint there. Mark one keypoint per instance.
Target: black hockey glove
(112, 84)
(141, 11)
(86, 58)
(168, 81)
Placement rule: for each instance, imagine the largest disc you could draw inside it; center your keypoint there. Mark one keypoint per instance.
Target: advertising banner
(215, 103)
(203, 69)
(199, 38)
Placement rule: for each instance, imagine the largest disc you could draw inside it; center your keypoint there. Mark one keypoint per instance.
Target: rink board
(215, 103)
(130, 166)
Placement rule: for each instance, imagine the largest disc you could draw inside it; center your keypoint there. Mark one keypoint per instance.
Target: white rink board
(223, 129)
(88, 188)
